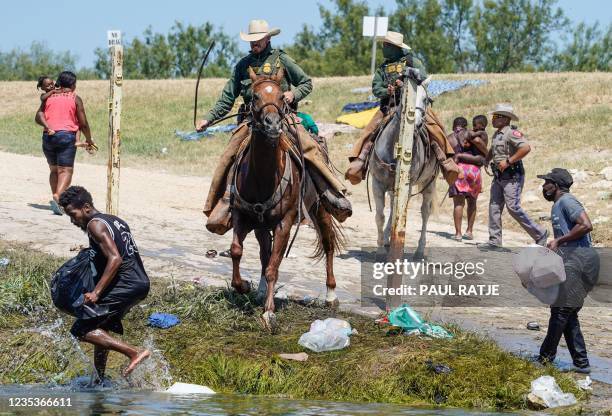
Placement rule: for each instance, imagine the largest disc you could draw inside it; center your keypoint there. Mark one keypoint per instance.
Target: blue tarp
(163, 320)
(435, 88)
(356, 107)
(197, 135)
(438, 87)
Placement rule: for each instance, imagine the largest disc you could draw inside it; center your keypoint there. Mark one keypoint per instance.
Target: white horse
(423, 170)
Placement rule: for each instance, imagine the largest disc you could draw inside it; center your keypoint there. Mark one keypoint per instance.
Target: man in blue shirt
(572, 240)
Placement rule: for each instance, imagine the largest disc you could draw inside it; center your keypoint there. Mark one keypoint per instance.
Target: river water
(126, 402)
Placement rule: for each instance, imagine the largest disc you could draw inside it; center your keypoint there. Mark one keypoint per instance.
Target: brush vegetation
(220, 343)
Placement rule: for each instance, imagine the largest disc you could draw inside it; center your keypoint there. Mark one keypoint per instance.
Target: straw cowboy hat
(395, 38)
(505, 109)
(258, 29)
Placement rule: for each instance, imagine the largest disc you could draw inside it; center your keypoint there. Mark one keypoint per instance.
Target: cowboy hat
(506, 110)
(395, 38)
(258, 29)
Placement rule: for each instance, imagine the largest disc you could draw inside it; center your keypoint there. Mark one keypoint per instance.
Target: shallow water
(125, 402)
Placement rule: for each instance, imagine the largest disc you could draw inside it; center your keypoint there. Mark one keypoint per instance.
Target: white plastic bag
(328, 335)
(541, 270)
(548, 270)
(547, 389)
(523, 261)
(186, 388)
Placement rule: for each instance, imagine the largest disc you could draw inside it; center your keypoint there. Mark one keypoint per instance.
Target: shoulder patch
(517, 133)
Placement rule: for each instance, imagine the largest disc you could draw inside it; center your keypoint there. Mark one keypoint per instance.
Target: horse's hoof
(243, 288)
(332, 304)
(269, 320)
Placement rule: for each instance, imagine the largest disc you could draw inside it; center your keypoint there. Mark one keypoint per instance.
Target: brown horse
(267, 193)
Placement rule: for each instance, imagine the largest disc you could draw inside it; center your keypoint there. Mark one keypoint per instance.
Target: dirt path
(164, 211)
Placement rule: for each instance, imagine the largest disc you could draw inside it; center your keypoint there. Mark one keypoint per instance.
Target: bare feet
(141, 356)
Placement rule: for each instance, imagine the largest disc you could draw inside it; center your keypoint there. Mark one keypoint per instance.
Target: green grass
(220, 343)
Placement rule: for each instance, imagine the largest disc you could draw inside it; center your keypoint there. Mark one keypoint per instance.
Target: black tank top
(131, 279)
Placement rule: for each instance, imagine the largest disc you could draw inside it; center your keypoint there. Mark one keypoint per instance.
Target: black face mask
(549, 196)
(391, 52)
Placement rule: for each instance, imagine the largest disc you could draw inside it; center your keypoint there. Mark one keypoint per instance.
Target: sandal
(468, 236)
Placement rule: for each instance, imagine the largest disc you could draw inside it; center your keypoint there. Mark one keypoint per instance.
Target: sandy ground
(164, 212)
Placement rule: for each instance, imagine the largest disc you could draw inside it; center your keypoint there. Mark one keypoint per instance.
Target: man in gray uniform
(508, 148)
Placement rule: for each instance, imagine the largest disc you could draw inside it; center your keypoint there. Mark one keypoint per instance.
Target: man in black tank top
(121, 281)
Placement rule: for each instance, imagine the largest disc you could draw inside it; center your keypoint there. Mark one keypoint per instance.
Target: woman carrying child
(470, 154)
(62, 115)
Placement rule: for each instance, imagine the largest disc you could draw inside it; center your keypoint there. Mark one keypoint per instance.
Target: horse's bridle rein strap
(255, 113)
(260, 208)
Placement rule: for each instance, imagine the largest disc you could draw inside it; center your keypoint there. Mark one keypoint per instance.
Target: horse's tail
(329, 232)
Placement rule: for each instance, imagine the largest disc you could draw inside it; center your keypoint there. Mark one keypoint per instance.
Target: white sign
(114, 37)
(380, 22)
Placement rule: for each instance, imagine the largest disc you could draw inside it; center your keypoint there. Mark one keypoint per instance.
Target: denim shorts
(60, 148)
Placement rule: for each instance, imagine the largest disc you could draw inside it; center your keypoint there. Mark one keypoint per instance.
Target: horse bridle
(256, 124)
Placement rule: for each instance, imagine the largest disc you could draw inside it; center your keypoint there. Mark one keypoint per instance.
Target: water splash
(154, 372)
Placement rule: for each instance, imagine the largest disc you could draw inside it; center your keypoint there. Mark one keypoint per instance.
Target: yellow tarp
(359, 120)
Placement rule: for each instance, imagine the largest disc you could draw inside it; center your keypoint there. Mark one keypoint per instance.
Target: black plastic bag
(69, 284)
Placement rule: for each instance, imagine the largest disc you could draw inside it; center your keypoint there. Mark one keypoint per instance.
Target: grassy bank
(220, 343)
(564, 115)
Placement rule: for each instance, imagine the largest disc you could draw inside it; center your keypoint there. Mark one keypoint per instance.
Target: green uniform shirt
(506, 142)
(391, 69)
(267, 62)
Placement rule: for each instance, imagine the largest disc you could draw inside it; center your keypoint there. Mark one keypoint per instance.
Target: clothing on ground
(163, 320)
(209, 132)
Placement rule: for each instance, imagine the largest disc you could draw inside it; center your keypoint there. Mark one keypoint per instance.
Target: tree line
(448, 35)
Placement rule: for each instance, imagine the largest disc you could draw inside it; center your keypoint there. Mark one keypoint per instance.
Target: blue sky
(73, 25)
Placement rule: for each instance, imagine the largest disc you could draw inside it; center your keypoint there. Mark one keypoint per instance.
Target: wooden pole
(402, 189)
(114, 130)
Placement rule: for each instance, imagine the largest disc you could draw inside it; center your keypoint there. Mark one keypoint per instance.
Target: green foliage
(590, 49)
(339, 47)
(38, 60)
(513, 35)
(421, 23)
(453, 36)
(177, 54)
(456, 15)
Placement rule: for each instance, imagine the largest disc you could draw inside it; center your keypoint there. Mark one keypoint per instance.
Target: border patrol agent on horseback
(387, 86)
(508, 147)
(264, 60)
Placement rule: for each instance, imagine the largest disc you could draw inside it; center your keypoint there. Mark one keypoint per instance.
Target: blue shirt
(565, 211)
